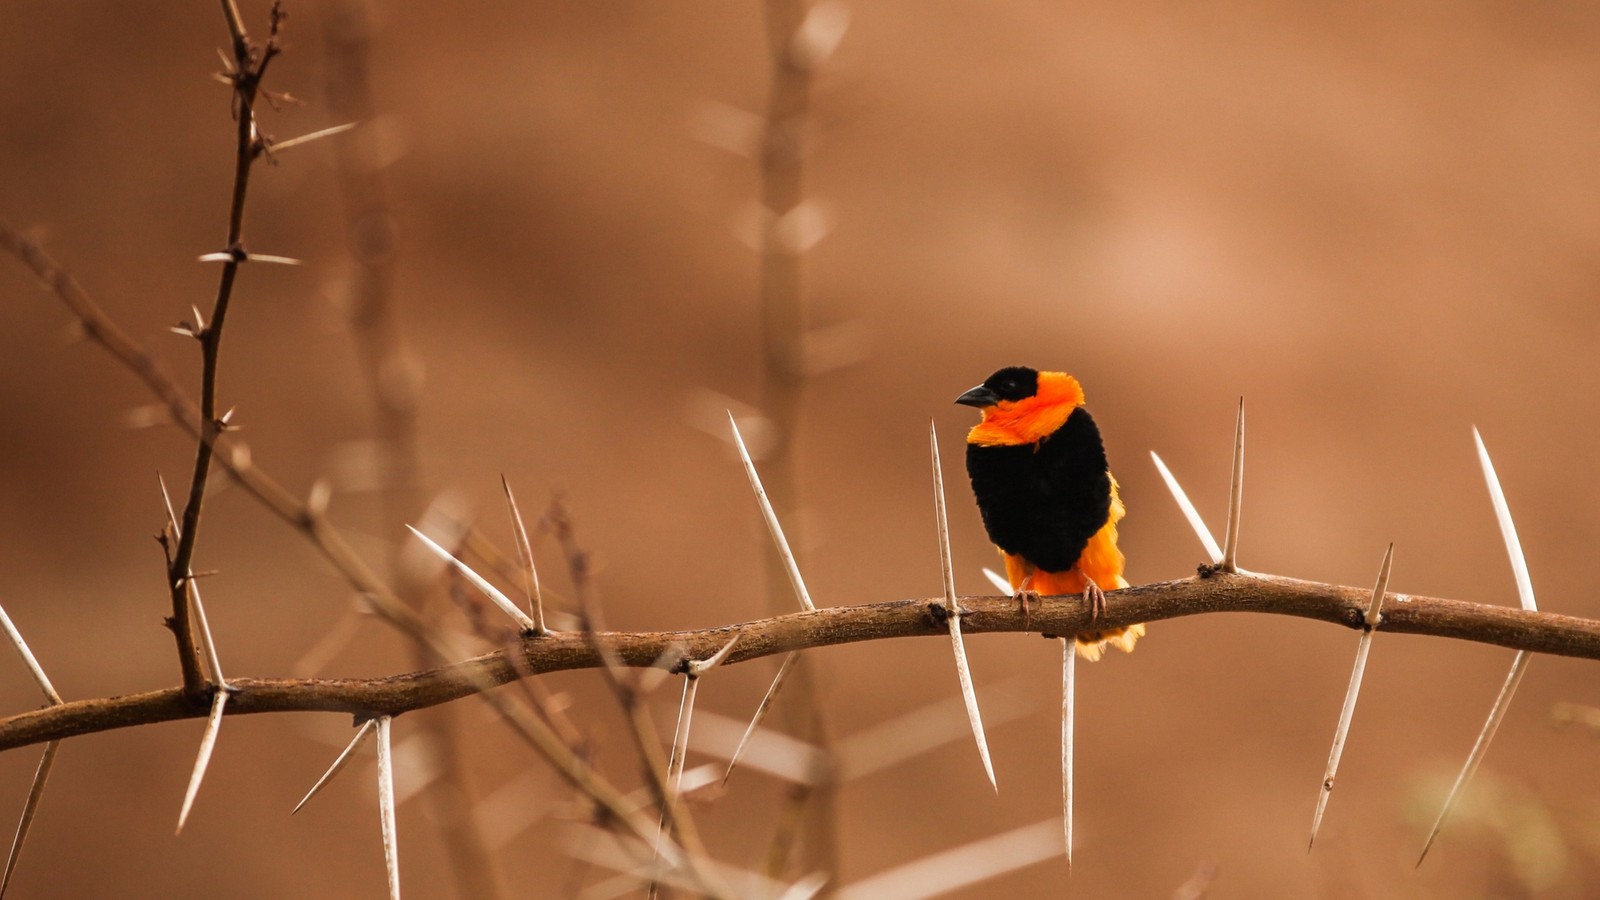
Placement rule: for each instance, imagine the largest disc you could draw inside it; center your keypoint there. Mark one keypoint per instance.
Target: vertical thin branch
(793, 63)
(250, 67)
(646, 739)
(394, 378)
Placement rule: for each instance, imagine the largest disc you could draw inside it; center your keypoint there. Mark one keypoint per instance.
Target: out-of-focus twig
(796, 51)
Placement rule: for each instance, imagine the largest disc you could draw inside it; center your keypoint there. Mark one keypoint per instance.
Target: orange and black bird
(1046, 493)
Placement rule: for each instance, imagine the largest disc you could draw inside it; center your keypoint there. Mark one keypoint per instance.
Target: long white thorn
(391, 842)
(761, 713)
(313, 136)
(1508, 528)
(1519, 665)
(29, 660)
(1348, 711)
(338, 764)
(953, 611)
(1230, 552)
(680, 751)
(787, 555)
(998, 580)
(680, 739)
(29, 809)
(207, 643)
(1189, 512)
(530, 575)
(478, 581)
(208, 742)
(1069, 668)
(1480, 747)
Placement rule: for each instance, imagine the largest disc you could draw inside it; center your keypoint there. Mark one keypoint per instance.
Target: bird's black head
(1011, 383)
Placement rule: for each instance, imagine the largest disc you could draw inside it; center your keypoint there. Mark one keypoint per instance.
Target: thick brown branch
(1509, 627)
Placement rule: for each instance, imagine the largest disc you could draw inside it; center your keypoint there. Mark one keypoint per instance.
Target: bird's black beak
(979, 396)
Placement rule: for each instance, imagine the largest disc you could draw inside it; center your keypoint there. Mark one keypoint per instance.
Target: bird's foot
(1096, 599)
(1026, 598)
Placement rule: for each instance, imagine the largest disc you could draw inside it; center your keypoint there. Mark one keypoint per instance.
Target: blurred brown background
(1378, 223)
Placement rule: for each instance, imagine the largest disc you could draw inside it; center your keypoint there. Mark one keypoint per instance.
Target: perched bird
(1047, 497)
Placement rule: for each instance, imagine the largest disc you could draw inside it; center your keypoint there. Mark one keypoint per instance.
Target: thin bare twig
(646, 740)
(249, 68)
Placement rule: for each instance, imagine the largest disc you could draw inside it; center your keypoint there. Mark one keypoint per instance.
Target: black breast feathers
(1044, 501)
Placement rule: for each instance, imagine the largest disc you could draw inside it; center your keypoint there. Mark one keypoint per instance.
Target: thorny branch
(1210, 592)
(248, 69)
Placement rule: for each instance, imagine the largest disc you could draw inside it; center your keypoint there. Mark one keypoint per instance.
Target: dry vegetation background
(1378, 224)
